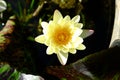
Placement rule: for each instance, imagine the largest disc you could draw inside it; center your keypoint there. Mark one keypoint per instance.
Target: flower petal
(72, 50)
(76, 18)
(47, 42)
(77, 32)
(62, 57)
(70, 38)
(65, 50)
(44, 24)
(49, 50)
(81, 47)
(77, 42)
(40, 39)
(67, 18)
(57, 16)
(86, 33)
(79, 25)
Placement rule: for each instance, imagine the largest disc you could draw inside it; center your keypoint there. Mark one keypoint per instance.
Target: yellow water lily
(62, 36)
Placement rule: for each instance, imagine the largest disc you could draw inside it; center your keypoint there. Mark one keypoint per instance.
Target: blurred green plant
(7, 73)
(24, 10)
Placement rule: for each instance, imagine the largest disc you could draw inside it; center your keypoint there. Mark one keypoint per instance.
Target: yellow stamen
(62, 35)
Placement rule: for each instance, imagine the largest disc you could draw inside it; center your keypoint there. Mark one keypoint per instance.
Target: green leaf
(63, 79)
(31, 5)
(102, 65)
(116, 76)
(14, 76)
(5, 72)
(4, 68)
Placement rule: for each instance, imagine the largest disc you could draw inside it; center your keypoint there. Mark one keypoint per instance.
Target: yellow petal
(78, 32)
(77, 42)
(47, 42)
(76, 18)
(79, 25)
(81, 47)
(65, 50)
(67, 18)
(57, 50)
(40, 39)
(72, 50)
(62, 57)
(44, 24)
(57, 16)
(49, 51)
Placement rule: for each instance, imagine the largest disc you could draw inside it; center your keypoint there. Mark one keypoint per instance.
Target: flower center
(62, 36)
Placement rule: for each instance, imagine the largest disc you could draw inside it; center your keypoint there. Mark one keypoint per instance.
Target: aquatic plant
(27, 19)
(61, 35)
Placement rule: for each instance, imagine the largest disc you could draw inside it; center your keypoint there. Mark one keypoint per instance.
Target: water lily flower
(3, 5)
(62, 36)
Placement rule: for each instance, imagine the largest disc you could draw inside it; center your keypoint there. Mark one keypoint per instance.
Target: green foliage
(31, 5)
(116, 76)
(23, 9)
(7, 73)
(14, 76)
(4, 68)
(63, 79)
(65, 3)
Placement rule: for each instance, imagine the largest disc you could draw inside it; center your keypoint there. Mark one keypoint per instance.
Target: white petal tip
(57, 16)
(40, 39)
(62, 58)
(81, 47)
(49, 51)
(76, 18)
(86, 33)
